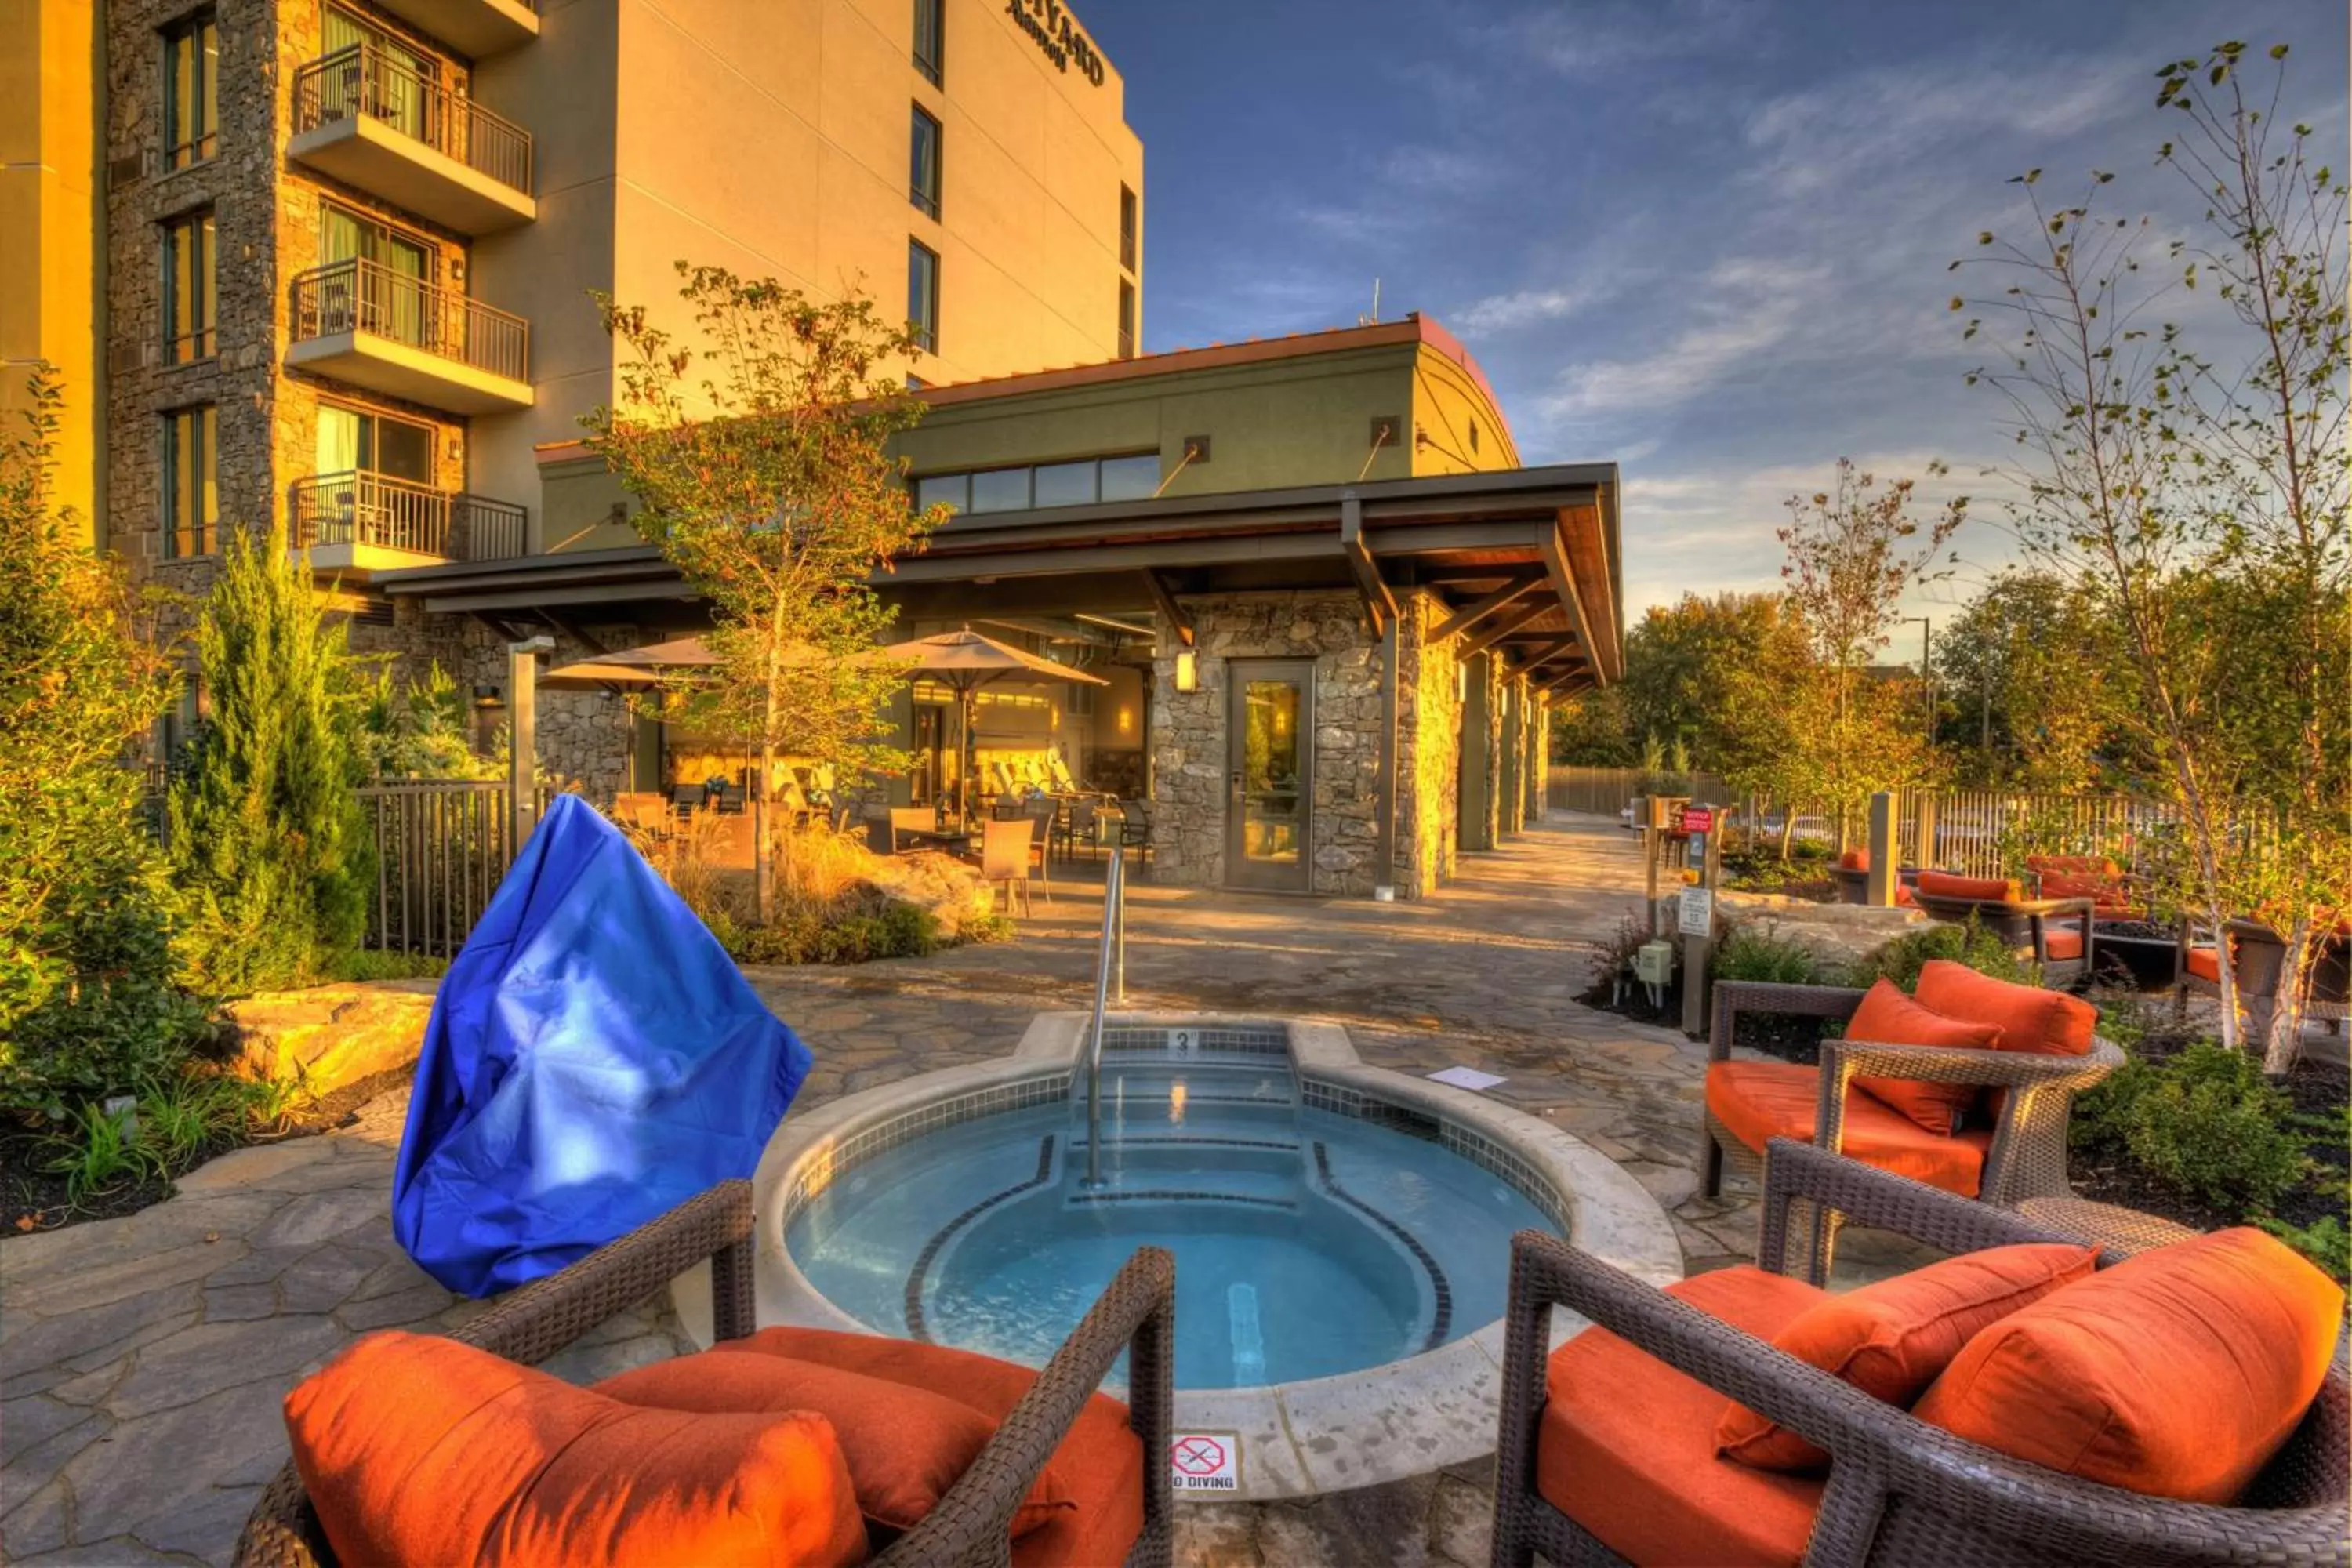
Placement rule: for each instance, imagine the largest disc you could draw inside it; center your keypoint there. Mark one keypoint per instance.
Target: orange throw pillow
(2177, 1373)
(1983, 889)
(905, 1446)
(416, 1448)
(1893, 1339)
(1890, 1019)
(2029, 1017)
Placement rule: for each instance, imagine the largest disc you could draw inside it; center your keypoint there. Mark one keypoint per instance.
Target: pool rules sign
(1206, 1462)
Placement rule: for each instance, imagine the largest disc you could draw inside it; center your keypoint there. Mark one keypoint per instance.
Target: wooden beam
(1574, 673)
(1379, 604)
(1510, 622)
(1544, 650)
(1554, 550)
(1477, 610)
(1170, 611)
(575, 633)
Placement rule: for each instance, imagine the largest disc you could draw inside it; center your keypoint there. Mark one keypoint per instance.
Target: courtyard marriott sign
(1055, 33)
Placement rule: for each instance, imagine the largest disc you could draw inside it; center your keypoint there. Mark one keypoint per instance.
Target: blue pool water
(1307, 1243)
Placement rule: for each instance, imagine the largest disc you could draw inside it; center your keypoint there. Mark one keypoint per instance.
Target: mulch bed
(1791, 1039)
(34, 1199)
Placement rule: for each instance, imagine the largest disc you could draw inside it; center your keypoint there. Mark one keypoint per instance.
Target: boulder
(330, 1035)
(950, 887)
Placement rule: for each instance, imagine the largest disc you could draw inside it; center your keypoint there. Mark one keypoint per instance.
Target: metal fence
(442, 846)
(1988, 833)
(366, 81)
(358, 296)
(370, 509)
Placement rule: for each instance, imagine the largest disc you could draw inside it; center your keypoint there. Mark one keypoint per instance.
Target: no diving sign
(1205, 1461)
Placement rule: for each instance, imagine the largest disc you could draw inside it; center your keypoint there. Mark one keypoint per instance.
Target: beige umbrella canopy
(637, 666)
(966, 661)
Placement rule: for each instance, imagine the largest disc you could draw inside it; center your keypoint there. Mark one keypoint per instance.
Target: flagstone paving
(142, 1359)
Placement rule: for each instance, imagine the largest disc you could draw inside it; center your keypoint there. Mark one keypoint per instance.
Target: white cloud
(1516, 312)
(1749, 306)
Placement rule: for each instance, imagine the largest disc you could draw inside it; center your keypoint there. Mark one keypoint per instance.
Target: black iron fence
(362, 508)
(360, 296)
(442, 846)
(367, 81)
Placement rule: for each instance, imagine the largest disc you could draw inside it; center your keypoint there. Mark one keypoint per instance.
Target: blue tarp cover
(595, 1058)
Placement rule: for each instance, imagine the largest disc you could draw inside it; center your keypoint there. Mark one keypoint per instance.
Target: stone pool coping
(1384, 1423)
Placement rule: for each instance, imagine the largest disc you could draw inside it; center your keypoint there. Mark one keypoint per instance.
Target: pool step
(1140, 1155)
(1223, 1083)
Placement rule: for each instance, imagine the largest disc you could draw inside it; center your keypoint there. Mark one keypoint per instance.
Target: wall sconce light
(485, 696)
(1126, 720)
(1188, 670)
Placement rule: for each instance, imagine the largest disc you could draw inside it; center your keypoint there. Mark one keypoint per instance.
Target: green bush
(900, 931)
(2325, 1241)
(269, 840)
(1760, 953)
(2205, 1123)
(364, 964)
(1902, 959)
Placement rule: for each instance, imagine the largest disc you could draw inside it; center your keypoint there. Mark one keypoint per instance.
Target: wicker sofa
(2056, 933)
(1899, 1491)
(1135, 1313)
(2023, 1156)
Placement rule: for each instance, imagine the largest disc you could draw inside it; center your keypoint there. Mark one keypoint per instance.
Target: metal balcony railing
(360, 507)
(359, 296)
(364, 80)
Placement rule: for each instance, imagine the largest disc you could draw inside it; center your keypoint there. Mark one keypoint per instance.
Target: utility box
(1654, 963)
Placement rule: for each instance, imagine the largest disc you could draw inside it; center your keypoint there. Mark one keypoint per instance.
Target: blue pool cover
(595, 1058)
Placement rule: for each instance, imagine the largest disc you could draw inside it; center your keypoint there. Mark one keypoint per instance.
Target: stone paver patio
(142, 1359)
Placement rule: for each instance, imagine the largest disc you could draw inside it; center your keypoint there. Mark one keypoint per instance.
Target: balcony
(355, 524)
(372, 122)
(367, 325)
(475, 29)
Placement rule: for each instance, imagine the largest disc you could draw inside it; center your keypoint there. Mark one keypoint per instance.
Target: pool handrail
(1110, 964)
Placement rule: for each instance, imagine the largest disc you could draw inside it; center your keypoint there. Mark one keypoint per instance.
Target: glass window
(355, 438)
(1066, 484)
(1130, 478)
(930, 38)
(923, 179)
(188, 289)
(923, 295)
(191, 100)
(1127, 227)
(955, 490)
(191, 494)
(1126, 319)
(1001, 490)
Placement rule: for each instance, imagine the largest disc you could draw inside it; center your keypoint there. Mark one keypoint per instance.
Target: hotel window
(396, 84)
(188, 289)
(931, 37)
(389, 295)
(191, 99)
(1127, 228)
(923, 178)
(1126, 319)
(923, 295)
(191, 496)
(1083, 482)
(357, 440)
(1001, 490)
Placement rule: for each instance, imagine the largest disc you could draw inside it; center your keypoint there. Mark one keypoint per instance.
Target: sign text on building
(1056, 32)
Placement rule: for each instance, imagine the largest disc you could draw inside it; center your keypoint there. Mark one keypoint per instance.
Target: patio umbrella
(965, 661)
(637, 666)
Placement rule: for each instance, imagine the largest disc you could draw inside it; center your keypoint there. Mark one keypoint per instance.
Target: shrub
(88, 1004)
(364, 964)
(2205, 1123)
(269, 837)
(1750, 952)
(1902, 959)
(2325, 1241)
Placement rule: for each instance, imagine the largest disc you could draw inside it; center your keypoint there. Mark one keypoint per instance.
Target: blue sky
(1706, 238)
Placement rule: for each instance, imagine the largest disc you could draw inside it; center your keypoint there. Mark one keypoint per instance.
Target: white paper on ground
(1466, 1078)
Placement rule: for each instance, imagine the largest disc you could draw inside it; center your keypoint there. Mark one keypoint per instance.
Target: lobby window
(191, 98)
(191, 496)
(930, 38)
(923, 295)
(1127, 227)
(1126, 319)
(923, 177)
(188, 289)
(1082, 482)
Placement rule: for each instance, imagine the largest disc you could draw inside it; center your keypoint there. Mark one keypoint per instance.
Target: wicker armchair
(2056, 933)
(2260, 956)
(2027, 1156)
(1899, 1491)
(1135, 1313)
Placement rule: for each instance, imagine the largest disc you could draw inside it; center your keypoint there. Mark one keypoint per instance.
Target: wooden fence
(442, 846)
(1605, 791)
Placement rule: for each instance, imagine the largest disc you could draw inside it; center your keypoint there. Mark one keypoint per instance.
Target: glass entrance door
(1270, 775)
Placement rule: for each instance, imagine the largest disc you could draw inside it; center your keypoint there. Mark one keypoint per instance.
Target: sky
(1708, 240)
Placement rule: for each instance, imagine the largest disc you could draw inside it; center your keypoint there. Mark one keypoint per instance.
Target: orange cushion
(1893, 1339)
(2031, 1018)
(2062, 943)
(1891, 1018)
(1854, 860)
(1100, 1462)
(1626, 1446)
(1757, 1100)
(2205, 963)
(416, 1448)
(1985, 889)
(905, 1446)
(2177, 1373)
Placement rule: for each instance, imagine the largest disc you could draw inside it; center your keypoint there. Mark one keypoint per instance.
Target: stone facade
(1429, 749)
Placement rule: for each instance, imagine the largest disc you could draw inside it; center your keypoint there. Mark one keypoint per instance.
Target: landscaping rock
(950, 889)
(330, 1035)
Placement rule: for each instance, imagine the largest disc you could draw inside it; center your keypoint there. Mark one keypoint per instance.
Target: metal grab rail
(360, 296)
(1111, 969)
(363, 80)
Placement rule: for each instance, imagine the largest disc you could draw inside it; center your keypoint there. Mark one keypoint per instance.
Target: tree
(1678, 665)
(2198, 494)
(762, 467)
(2023, 704)
(270, 844)
(1589, 730)
(86, 999)
(419, 731)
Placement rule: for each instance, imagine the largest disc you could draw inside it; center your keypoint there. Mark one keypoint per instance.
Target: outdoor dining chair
(1006, 850)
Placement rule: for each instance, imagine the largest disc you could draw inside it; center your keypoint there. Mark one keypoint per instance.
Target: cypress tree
(269, 838)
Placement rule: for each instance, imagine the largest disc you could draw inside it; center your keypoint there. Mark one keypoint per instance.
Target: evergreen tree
(269, 838)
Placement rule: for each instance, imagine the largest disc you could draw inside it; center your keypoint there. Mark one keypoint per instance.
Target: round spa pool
(1314, 1235)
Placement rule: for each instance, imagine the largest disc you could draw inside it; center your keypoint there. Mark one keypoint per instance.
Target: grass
(174, 1122)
